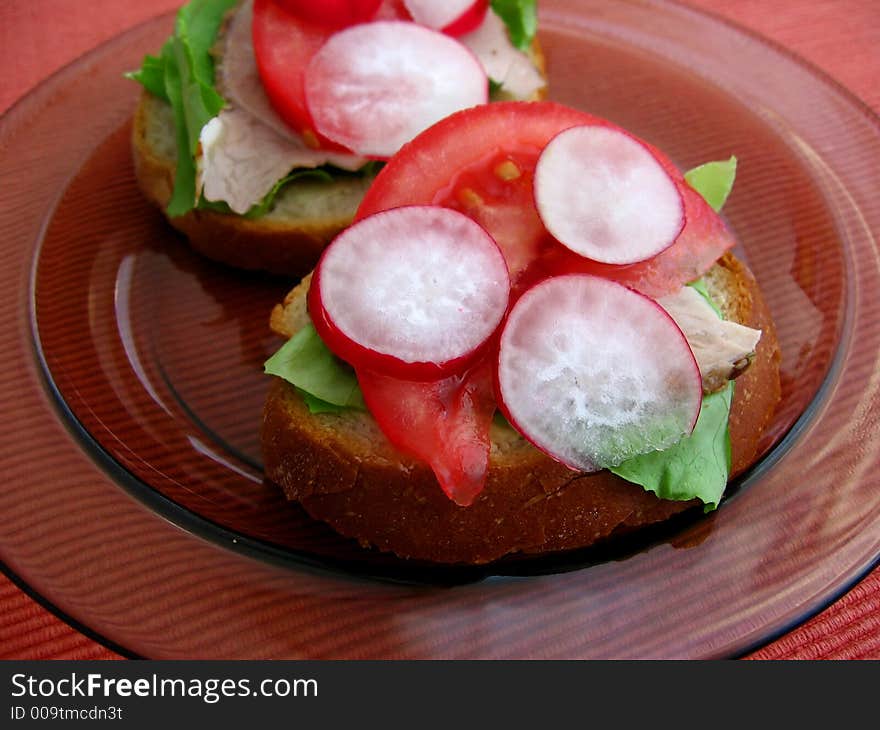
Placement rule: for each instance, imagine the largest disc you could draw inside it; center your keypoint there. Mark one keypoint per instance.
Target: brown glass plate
(131, 387)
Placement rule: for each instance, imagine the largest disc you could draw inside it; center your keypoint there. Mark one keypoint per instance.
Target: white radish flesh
(373, 87)
(418, 284)
(438, 15)
(601, 193)
(594, 373)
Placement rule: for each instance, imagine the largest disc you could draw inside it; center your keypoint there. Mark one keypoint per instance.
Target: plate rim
(7, 121)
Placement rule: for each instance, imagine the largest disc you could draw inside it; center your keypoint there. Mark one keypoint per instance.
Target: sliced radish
(373, 87)
(602, 194)
(593, 373)
(414, 292)
(454, 17)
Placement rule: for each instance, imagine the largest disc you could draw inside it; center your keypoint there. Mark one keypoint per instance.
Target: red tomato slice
(283, 46)
(497, 194)
(444, 423)
(284, 43)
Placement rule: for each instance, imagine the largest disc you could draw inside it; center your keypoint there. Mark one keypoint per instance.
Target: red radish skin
(602, 194)
(469, 21)
(593, 373)
(455, 17)
(414, 292)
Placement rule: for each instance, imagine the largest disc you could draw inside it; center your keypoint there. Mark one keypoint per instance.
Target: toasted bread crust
(344, 471)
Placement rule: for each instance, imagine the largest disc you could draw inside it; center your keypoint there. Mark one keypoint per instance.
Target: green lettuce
(521, 19)
(183, 75)
(151, 75)
(713, 180)
(698, 466)
(198, 23)
(700, 286)
(327, 384)
(189, 81)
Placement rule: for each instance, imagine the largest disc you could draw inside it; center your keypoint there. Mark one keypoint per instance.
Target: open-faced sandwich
(526, 342)
(263, 122)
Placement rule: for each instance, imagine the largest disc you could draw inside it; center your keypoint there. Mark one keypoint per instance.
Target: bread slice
(343, 470)
(307, 213)
(288, 240)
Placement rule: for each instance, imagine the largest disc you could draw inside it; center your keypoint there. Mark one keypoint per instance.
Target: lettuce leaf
(151, 75)
(183, 75)
(198, 23)
(713, 180)
(697, 467)
(521, 19)
(700, 286)
(184, 192)
(306, 362)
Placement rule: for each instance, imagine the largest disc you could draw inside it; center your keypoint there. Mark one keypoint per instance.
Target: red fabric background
(841, 37)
